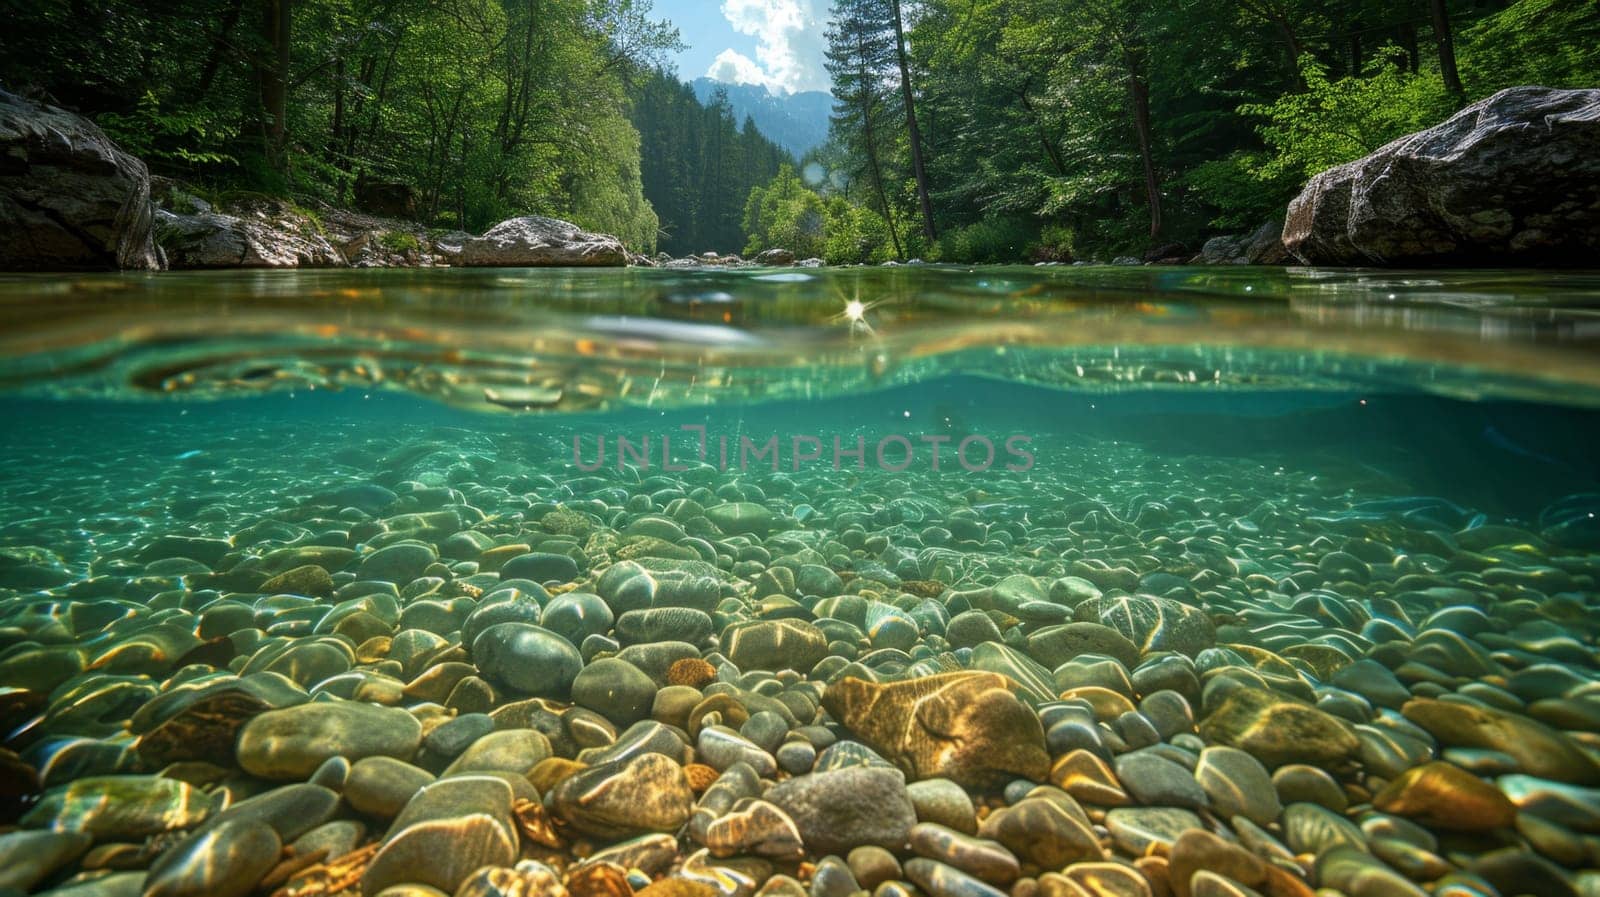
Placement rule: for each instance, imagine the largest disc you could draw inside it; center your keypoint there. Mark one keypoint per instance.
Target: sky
(776, 43)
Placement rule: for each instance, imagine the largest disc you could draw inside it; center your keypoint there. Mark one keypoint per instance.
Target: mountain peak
(798, 122)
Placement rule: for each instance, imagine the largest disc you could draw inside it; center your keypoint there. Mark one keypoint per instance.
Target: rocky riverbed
(313, 657)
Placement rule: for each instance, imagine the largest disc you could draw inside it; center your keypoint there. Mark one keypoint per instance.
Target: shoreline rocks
(1511, 179)
(70, 199)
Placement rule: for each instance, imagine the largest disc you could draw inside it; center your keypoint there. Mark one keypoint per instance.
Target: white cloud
(736, 68)
(789, 44)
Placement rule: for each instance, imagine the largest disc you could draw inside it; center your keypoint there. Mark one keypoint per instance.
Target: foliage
(992, 240)
(1088, 121)
(485, 109)
(176, 138)
(1335, 121)
(1554, 43)
(399, 241)
(786, 214)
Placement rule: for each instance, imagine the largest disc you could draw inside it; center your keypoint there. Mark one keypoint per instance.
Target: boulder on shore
(534, 240)
(254, 238)
(70, 200)
(1511, 179)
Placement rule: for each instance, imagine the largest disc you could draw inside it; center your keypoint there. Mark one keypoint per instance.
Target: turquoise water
(1080, 580)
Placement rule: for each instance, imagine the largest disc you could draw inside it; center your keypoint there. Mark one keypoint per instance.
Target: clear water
(1363, 492)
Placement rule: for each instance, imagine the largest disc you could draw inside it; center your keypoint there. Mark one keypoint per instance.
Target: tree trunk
(1140, 94)
(917, 169)
(877, 179)
(219, 46)
(1447, 48)
(1408, 41)
(1050, 151)
(274, 76)
(1291, 43)
(338, 105)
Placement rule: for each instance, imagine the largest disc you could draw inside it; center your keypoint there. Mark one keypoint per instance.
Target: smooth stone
(382, 786)
(398, 563)
(507, 750)
(1157, 781)
(226, 860)
(1089, 779)
(449, 830)
(541, 567)
(645, 793)
(120, 807)
(615, 689)
(1541, 750)
(29, 857)
(742, 518)
(939, 880)
(527, 659)
(983, 859)
(1516, 871)
(847, 808)
(1360, 874)
(1278, 731)
(775, 645)
(1137, 829)
(291, 810)
(1571, 806)
(291, 743)
(1299, 783)
(665, 624)
(943, 802)
(758, 829)
(1442, 795)
(1049, 833)
(872, 865)
(967, 727)
(1309, 828)
(1237, 785)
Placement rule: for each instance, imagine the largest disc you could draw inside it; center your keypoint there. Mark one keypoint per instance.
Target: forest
(1001, 130)
(963, 130)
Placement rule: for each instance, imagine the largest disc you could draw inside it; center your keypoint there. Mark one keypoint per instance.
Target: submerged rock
(967, 727)
(291, 743)
(835, 811)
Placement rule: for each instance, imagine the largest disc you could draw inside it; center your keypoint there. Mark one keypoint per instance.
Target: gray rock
(527, 659)
(847, 808)
(1514, 178)
(780, 257)
(291, 743)
(263, 236)
(227, 860)
(70, 200)
(449, 830)
(1238, 785)
(27, 858)
(536, 241)
(1153, 779)
(614, 689)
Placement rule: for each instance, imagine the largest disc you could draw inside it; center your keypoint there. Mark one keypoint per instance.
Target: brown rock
(1277, 730)
(1538, 749)
(968, 727)
(1443, 795)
